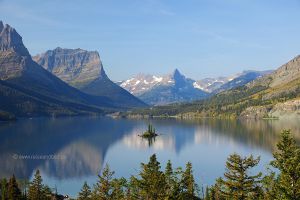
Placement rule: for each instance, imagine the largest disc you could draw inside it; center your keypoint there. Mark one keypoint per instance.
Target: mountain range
(73, 82)
(272, 95)
(175, 87)
(27, 89)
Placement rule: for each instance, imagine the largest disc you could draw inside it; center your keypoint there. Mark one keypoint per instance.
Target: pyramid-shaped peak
(177, 75)
(176, 72)
(10, 40)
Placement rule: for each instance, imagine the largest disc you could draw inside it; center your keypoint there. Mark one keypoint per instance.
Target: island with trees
(150, 133)
(152, 183)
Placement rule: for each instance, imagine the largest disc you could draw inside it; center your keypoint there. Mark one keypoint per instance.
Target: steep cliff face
(10, 40)
(77, 67)
(83, 70)
(27, 89)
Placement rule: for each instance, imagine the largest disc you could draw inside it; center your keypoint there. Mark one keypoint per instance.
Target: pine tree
(169, 173)
(238, 184)
(85, 193)
(13, 191)
(46, 192)
(35, 191)
(287, 161)
(188, 182)
(170, 181)
(4, 189)
(118, 188)
(152, 184)
(133, 189)
(103, 188)
(270, 187)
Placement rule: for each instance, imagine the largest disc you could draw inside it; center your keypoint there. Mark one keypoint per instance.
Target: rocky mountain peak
(177, 75)
(10, 40)
(77, 67)
(179, 79)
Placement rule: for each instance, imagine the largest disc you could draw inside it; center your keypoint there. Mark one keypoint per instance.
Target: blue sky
(202, 38)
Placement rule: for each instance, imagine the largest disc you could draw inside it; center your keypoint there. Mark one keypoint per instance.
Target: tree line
(153, 183)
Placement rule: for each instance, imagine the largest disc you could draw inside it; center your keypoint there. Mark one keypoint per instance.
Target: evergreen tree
(172, 186)
(152, 184)
(133, 189)
(188, 182)
(270, 187)
(287, 161)
(118, 188)
(46, 193)
(103, 188)
(13, 191)
(4, 189)
(238, 184)
(35, 191)
(169, 174)
(85, 193)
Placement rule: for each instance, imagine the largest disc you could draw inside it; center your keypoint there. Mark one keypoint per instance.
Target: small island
(150, 133)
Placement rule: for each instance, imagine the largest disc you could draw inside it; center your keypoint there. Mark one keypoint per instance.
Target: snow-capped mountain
(144, 82)
(158, 90)
(175, 87)
(211, 84)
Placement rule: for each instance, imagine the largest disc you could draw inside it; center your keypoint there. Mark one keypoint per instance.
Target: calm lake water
(83, 145)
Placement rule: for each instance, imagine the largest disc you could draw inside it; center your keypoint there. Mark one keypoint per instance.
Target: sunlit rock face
(10, 40)
(83, 70)
(13, 54)
(75, 160)
(77, 67)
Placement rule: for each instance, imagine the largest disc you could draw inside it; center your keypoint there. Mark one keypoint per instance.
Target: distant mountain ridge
(272, 95)
(84, 70)
(159, 90)
(153, 89)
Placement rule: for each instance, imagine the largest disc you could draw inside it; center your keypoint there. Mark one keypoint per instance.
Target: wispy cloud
(16, 11)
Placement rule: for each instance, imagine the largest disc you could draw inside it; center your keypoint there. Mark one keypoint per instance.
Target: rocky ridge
(83, 70)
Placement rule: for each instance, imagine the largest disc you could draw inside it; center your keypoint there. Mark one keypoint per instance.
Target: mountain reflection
(75, 160)
(84, 141)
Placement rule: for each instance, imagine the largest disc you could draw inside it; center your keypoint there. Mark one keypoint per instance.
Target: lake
(69, 151)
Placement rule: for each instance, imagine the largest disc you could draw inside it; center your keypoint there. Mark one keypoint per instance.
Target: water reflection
(87, 143)
(133, 140)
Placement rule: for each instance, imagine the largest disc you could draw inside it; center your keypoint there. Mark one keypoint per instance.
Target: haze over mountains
(175, 87)
(27, 89)
(273, 95)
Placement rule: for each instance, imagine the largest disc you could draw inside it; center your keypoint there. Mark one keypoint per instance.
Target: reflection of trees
(133, 140)
(85, 141)
(260, 133)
